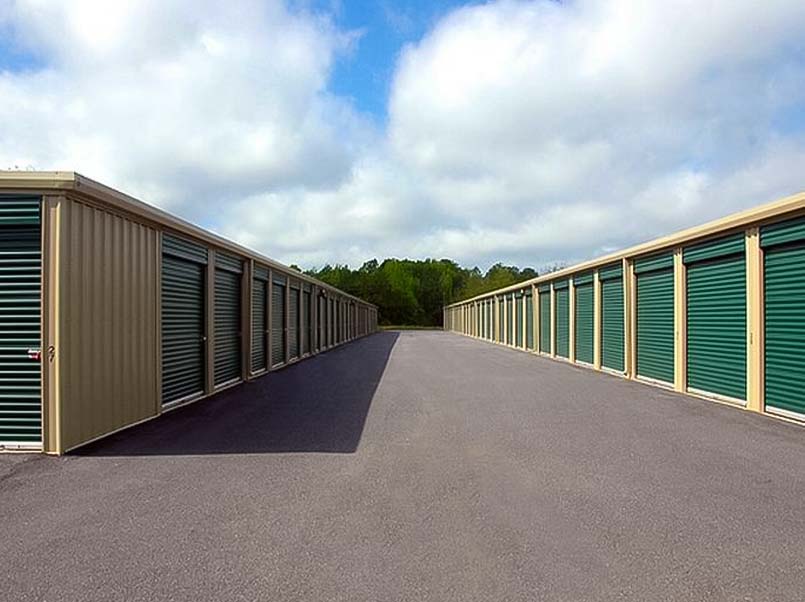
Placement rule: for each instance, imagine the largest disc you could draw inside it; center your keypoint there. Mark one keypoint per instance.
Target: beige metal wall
(106, 341)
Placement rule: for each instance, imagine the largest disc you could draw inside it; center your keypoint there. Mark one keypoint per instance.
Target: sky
(336, 131)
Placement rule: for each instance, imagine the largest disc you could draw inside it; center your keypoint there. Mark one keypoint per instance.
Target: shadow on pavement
(318, 405)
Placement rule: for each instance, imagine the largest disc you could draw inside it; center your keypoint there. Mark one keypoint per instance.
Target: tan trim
(158, 324)
(51, 316)
(553, 321)
(246, 284)
(535, 312)
(630, 318)
(571, 316)
(209, 309)
(755, 335)
(785, 208)
(596, 321)
(680, 323)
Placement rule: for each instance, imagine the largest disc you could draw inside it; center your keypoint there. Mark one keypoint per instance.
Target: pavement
(417, 466)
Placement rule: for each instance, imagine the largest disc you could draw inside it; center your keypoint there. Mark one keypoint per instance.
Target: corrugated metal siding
(277, 324)
(183, 248)
(529, 321)
(653, 263)
(108, 330)
(613, 270)
(655, 325)
(259, 324)
(545, 321)
(729, 245)
(612, 345)
(790, 231)
(562, 322)
(716, 325)
(293, 324)
(785, 327)
(182, 328)
(584, 322)
(20, 322)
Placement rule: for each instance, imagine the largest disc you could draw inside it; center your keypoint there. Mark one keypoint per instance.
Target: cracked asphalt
(417, 466)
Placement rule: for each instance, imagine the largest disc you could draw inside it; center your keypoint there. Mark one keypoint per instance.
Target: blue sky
(532, 132)
(385, 26)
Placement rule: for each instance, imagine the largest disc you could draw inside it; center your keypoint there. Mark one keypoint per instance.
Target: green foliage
(414, 292)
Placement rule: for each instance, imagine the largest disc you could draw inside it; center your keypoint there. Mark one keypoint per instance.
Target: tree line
(412, 293)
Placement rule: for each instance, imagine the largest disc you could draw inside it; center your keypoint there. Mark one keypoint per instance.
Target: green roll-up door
(320, 322)
(501, 322)
(655, 318)
(183, 319)
(293, 323)
(518, 320)
(562, 316)
(278, 332)
(20, 328)
(612, 333)
(227, 367)
(584, 321)
(307, 339)
(529, 321)
(716, 317)
(259, 319)
(545, 319)
(784, 267)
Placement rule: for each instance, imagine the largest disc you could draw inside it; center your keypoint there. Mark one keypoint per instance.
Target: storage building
(113, 312)
(716, 311)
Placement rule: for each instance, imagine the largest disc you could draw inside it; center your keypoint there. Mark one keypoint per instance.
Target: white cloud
(529, 132)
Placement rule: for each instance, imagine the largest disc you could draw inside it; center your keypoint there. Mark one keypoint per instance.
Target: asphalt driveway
(417, 466)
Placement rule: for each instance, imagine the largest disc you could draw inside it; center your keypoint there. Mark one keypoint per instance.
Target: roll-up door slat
(182, 328)
(584, 323)
(545, 321)
(655, 325)
(20, 328)
(612, 324)
(716, 316)
(259, 324)
(562, 322)
(227, 365)
(785, 327)
(277, 324)
(529, 321)
(293, 324)
(307, 340)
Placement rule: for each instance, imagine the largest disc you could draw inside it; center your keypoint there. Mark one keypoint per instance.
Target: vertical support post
(496, 320)
(755, 330)
(553, 321)
(246, 320)
(629, 318)
(210, 323)
(535, 315)
(596, 321)
(571, 300)
(286, 319)
(50, 317)
(269, 319)
(680, 323)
